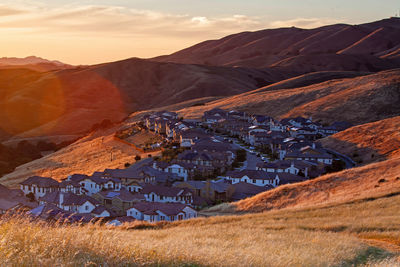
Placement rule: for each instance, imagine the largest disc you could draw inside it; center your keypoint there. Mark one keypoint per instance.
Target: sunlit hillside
(354, 234)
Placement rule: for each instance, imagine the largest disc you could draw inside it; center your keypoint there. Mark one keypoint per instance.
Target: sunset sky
(94, 31)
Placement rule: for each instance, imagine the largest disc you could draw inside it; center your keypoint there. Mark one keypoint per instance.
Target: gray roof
(170, 209)
(40, 181)
(252, 174)
(70, 199)
(165, 190)
(123, 195)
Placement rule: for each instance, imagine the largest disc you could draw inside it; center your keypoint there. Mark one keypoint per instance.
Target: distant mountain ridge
(367, 47)
(32, 63)
(28, 60)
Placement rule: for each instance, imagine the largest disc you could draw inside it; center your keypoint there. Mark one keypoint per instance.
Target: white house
(93, 184)
(164, 194)
(183, 170)
(70, 202)
(39, 186)
(310, 154)
(155, 212)
(259, 178)
(286, 166)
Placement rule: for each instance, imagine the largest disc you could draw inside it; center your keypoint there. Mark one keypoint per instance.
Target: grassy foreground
(357, 234)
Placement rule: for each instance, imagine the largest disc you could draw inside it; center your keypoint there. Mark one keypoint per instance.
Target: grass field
(356, 234)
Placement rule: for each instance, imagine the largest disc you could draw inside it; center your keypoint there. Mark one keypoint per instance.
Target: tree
(31, 197)
(337, 166)
(241, 155)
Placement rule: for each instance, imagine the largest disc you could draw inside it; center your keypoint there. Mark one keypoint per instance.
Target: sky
(97, 31)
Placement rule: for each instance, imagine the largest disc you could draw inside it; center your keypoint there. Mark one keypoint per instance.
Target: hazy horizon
(97, 31)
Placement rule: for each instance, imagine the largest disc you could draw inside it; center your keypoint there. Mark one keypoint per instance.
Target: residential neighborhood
(226, 156)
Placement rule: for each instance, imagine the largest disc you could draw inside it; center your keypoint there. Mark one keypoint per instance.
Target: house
(310, 154)
(14, 200)
(184, 170)
(70, 202)
(39, 186)
(92, 184)
(8, 205)
(71, 186)
(237, 115)
(261, 120)
(213, 116)
(296, 167)
(189, 137)
(164, 194)
(155, 212)
(119, 201)
(296, 122)
(102, 212)
(215, 191)
(255, 177)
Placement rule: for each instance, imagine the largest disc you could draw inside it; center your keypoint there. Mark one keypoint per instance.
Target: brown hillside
(369, 142)
(315, 49)
(71, 101)
(87, 155)
(374, 180)
(357, 100)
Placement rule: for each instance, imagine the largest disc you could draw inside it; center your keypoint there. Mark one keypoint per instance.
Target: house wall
(87, 207)
(90, 186)
(37, 191)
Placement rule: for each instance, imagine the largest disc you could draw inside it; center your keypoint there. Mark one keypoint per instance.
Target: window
(180, 217)
(87, 207)
(162, 218)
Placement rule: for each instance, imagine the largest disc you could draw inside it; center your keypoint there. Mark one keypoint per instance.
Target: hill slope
(357, 100)
(326, 48)
(369, 142)
(71, 101)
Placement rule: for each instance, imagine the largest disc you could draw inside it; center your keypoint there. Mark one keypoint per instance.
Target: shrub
(137, 158)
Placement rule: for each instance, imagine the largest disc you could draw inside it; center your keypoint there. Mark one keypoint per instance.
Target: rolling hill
(367, 143)
(70, 101)
(357, 100)
(364, 47)
(375, 180)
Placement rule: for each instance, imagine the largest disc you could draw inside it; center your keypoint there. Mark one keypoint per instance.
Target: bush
(137, 158)
(241, 155)
(127, 165)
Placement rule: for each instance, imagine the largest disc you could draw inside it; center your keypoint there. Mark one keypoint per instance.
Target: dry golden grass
(89, 154)
(141, 138)
(335, 100)
(297, 237)
(371, 181)
(368, 142)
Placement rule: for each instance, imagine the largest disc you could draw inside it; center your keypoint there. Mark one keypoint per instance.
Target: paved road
(347, 160)
(251, 158)
(252, 161)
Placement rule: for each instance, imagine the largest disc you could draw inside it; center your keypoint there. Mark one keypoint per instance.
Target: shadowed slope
(369, 142)
(71, 101)
(293, 48)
